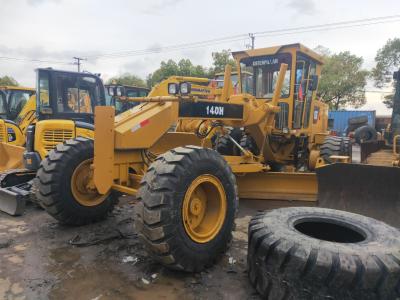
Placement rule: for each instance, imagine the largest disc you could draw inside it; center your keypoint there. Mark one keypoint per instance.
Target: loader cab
(259, 70)
(68, 95)
(13, 100)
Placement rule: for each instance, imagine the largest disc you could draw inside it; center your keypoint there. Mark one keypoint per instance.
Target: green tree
(8, 80)
(221, 59)
(387, 61)
(127, 79)
(343, 80)
(170, 68)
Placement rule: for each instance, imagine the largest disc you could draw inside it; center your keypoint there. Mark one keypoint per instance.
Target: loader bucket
(11, 157)
(372, 191)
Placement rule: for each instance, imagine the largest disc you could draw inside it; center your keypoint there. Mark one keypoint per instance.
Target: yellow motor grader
(188, 193)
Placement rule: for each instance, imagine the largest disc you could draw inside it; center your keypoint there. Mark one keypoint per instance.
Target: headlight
(119, 91)
(173, 88)
(185, 88)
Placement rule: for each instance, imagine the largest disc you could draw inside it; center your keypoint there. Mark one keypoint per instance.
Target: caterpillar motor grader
(188, 193)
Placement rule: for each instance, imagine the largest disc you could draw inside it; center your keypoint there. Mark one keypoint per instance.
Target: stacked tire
(334, 145)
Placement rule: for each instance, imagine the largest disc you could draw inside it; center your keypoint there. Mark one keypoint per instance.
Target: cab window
(305, 69)
(3, 106)
(17, 101)
(76, 94)
(263, 72)
(44, 89)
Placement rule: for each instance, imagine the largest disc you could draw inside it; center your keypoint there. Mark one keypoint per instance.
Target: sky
(55, 31)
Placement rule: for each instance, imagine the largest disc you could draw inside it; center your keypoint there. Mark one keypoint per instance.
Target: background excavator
(188, 193)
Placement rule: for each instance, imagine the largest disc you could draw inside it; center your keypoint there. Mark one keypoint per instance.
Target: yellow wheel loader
(63, 109)
(17, 111)
(188, 193)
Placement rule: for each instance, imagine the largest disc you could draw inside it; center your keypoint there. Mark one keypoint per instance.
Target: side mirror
(312, 86)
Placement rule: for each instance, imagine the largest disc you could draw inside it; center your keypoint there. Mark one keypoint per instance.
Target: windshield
(3, 107)
(17, 101)
(220, 80)
(259, 75)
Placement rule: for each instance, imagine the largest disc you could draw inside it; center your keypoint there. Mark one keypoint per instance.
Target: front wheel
(188, 204)
(63, 185)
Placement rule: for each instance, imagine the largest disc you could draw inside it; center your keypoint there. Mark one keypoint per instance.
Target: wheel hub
(204, 208)
(82, 186)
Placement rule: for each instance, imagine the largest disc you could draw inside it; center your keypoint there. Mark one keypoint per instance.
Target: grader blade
(365, 189)
(11, 157)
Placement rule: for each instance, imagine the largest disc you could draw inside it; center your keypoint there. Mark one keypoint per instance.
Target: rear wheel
(63, 185)
(188, 204)
(319, 253)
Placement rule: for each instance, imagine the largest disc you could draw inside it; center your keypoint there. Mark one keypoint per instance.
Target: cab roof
(276, 49)
(16, 88)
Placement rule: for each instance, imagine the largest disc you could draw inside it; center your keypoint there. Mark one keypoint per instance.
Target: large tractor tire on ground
(225, 146)
(334, 145)
(188, 202)
(318, 253)
(365, 134)
(62, 187)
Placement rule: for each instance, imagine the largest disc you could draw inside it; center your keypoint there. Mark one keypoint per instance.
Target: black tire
(360, 120)
(318, 253)
(159, 219)
(54, 188)
(365, 134)
(248, 143)
(225, 146)
(333, 145)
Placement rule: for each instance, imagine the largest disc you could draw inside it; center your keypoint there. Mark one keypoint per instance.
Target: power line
(34, 60)
(239, 37)
(226, 39)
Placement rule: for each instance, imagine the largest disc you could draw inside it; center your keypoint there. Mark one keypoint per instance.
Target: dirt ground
(40, 259)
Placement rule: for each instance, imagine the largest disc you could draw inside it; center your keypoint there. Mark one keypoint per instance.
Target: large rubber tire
(225, 146)
(365, 134)
(317, 253)
(334, 145)
(159, 216)
(54, 188)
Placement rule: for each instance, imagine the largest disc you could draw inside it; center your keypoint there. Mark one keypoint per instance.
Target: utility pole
(253, 37)
(78, 62)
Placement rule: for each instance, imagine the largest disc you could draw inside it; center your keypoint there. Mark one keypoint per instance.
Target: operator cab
(68, 95)
(259, 71)
(13, 100)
